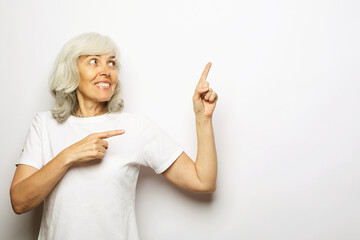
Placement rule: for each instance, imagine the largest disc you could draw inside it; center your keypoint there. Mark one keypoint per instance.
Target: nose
(105, 70)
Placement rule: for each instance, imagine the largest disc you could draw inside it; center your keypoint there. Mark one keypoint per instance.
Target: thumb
(199, 92)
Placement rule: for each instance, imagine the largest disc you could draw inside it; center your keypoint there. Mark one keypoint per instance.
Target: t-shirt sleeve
(159, 150)
(31, 153)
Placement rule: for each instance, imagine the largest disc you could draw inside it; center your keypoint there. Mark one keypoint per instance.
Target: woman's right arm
(30, 186)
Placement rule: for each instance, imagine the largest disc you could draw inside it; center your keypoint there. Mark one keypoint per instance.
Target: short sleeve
(31, 153)
(159, 150)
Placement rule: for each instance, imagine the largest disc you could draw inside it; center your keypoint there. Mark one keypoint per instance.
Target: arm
(201, 175)
(30, 186)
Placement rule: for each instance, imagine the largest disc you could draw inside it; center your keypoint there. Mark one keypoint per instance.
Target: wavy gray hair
(64, 78)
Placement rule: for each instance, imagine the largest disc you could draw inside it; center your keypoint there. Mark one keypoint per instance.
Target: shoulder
(42, 117)
(44, 114)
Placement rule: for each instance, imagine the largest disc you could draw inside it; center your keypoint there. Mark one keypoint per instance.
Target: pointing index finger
(205, 73)
(112, 133)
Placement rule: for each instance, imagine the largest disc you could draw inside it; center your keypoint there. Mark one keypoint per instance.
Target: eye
(112, 63)
(93, 61)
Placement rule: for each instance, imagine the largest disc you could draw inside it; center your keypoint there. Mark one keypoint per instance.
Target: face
(98, 77)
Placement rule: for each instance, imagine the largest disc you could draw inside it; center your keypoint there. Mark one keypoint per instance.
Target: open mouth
(103, 85)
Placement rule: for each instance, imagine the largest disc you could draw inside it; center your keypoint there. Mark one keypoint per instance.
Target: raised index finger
(205, 73)
(107, 134)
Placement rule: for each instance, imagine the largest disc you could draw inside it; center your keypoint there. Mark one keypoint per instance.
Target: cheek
(86, 78)
(81, 83)
(114, 87)
(114, 77)
(114, 80)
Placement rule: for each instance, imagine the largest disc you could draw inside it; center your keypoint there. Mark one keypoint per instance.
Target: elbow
(205, 189)
(17, 210)
(213, 189)
(16, 205)
(210, 189)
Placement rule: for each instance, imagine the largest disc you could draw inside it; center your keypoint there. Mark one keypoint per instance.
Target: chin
(103, 98)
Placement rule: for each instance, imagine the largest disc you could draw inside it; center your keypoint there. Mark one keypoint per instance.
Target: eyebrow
(112, 56)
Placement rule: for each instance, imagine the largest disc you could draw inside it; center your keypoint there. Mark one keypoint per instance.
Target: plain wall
(287, 122)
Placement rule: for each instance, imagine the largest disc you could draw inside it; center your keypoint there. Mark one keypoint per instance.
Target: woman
(82, 158)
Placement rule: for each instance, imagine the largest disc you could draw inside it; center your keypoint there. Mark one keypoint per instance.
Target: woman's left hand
(204, 99)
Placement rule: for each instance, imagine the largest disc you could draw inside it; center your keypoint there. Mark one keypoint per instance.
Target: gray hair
(64, 78)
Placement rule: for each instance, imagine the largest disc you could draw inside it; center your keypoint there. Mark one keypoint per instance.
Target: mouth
(103, 85)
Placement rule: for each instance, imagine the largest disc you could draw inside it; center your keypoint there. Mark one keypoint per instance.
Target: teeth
(101, 84)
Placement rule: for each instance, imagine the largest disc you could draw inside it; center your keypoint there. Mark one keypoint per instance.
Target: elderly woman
(82, 158)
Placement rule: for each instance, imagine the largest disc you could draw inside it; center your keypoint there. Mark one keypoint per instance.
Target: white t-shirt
(96, 201)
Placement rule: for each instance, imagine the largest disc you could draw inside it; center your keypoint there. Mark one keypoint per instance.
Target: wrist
(203, 122)
(199, 118)
(65, 159)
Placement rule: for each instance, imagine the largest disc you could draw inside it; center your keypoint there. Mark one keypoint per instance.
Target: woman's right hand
(92, 147)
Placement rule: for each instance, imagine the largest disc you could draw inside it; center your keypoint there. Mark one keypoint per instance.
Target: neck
(90, 113)
(89, 108)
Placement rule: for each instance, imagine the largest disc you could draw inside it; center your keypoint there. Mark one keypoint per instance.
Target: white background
(287, 123)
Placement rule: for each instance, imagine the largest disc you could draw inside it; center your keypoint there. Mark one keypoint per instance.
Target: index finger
(205, 73)
(107, 134)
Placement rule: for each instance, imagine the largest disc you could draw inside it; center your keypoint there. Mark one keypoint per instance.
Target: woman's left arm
(201, 175)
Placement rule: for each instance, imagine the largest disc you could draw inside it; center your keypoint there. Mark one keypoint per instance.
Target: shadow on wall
(36, 220)
(148, 176)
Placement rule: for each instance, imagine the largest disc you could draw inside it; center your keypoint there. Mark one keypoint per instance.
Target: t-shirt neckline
(89, 119)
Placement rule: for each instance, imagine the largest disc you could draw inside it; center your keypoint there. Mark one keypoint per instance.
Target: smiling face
(98, 78)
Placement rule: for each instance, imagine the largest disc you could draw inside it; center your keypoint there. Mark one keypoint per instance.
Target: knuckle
(92, 136)
(93, 153)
